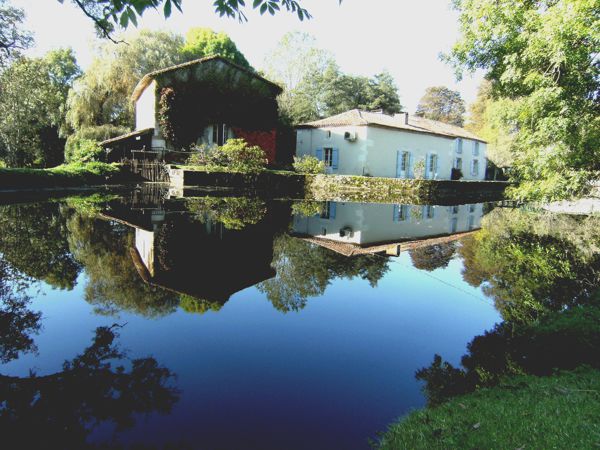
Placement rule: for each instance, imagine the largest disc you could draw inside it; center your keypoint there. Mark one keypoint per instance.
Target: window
(458, 163)
(404, 161)
(432, 163)
(453, 225)
(472, 208)
(455, 209)
(428, 212)
(459, 145)
(328, 157)
(328, 211)
(401, 213)
(475, 148)
(471, 223)
(220, 134)
(328, 134)
(475, 167)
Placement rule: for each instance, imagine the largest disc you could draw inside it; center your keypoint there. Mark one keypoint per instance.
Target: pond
(151, 320)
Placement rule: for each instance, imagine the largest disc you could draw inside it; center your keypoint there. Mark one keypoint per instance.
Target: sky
(405, 37)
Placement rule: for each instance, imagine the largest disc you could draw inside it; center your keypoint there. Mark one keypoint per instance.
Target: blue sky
(404, 37)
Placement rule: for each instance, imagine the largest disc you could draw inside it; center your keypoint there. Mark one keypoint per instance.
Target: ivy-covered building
(201, 102)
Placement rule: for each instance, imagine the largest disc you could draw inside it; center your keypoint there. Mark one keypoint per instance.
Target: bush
(79, 150)
(308, 165)
(456, 174)
(95, 134)
(419, 169)
(238, 156)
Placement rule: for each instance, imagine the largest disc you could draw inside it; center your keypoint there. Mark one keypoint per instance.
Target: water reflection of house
(198, 256)
(358, 228)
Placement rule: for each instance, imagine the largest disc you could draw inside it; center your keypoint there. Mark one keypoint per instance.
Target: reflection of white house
(369, 225)
(371, 143)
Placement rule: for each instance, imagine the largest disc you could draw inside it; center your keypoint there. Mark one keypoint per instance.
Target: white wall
(375, 151)
(145, 108)
(352, 155)
(375, 223)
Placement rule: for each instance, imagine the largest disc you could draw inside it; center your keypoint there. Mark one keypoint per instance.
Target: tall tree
(542, 59)
(442, 104)
(33, 96)
(201, 42)
(13, 39)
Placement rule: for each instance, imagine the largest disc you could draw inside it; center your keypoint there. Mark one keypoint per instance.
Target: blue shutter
(335, 158)
(332, 206)
(396, 213)
(427, 165)
(398, 164)
(409, 172)
(319, 154)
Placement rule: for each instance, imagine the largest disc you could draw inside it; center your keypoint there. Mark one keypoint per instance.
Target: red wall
(267, 140)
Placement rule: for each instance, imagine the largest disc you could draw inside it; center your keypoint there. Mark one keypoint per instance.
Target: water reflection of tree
(98, 386)
(113, 284)
(542, 270)
(433, 257)
(17, 322)
(304, 270)
(34, 242)
(530, 263)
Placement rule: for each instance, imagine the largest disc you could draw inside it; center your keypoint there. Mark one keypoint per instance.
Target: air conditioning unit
(350, 136)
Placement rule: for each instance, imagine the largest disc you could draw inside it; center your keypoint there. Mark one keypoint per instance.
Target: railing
(148, 165)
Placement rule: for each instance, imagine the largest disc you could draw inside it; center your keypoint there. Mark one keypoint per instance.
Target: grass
(525, 412)
(68, 175)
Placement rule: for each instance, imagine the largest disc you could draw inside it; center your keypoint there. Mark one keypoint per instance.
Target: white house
(366, 224)
(394, 146)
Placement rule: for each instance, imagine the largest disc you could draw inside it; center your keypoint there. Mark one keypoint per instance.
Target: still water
(150, 321)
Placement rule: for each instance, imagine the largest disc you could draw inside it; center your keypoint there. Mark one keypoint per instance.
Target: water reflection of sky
(328, 376)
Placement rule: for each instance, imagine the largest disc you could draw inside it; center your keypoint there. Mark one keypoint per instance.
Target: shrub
(80, 150)
(419, 169)
(308, 165)
(456, 174)
(238, 156)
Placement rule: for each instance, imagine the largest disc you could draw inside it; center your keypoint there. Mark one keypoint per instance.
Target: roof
(149, 77)
(127, 136)
(356, 117)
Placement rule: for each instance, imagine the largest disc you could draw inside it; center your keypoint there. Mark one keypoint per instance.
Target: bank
(525, 412)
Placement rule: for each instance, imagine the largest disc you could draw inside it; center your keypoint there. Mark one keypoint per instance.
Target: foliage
(456, 174)
(113, 285)
(217, 94)
(305, 270)
(108, 14)
(34, 243)
(12, 38)
(442, 104)
(523, 412)
(32, 104)
(102, 95)
(432, 257)
(564, 340)
(530, 264)
(83, 151)
(202, 42)
(317, 87)
(241, 157)
(419, 169)
(197, 306)
(307, 208)
(99, 386)
(235, 213)
(541, 57)
(308, 164)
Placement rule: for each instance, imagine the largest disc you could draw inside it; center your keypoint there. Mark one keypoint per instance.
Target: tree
(12, 38)
(442, 104)
(201, 42)
(486, 120)
(108, 14)
(32, 105)
(542, 59)
(433, 257)
(102, 95)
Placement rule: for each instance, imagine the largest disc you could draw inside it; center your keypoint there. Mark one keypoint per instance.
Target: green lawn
(527, 412)
(71, 175)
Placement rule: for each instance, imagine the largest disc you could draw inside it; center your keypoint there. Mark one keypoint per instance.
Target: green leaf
(263, 8)
(167, 10)
(257, 3)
